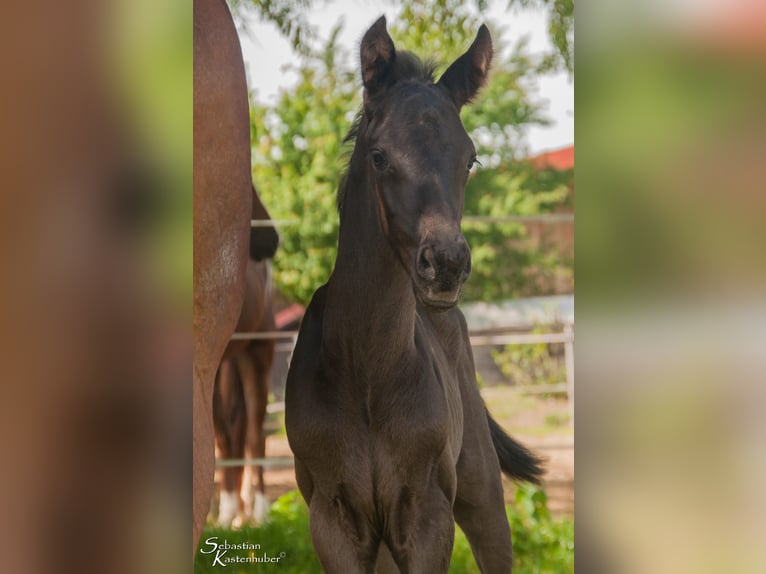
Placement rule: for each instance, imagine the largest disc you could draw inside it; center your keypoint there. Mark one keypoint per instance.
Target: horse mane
(406, 67)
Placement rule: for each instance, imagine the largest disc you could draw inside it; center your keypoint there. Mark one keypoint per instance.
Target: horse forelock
(407, 67)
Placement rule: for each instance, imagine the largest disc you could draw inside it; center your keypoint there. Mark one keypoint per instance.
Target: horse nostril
(426, 267)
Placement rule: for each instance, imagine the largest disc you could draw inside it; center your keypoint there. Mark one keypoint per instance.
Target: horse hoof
(238, 522)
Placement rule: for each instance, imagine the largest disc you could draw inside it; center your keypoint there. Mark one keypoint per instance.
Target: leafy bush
(298, 163)
(541, 545)
(533, 364)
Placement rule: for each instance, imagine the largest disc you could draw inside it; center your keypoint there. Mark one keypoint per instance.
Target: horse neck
(369, 316)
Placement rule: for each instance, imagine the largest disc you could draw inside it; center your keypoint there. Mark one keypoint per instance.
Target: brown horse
(240, 400)
(392, 440)
(224, 202)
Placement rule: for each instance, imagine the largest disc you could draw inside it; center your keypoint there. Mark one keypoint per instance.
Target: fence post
(569, 366)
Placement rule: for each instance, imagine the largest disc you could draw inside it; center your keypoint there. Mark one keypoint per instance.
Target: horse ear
(378, 55)
(468, 73)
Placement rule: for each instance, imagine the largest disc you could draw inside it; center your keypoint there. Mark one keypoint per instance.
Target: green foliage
(286, 531)
(560, 27)
(298, 155)
(561, 30)
(420, 28)
(298, 150)
(556, 420)
(289, 16)
(505, 263)
(534, 364)
(541, 545)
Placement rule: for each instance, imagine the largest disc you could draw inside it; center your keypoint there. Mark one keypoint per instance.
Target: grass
(507, 404)
(556, 420)
(541, 544)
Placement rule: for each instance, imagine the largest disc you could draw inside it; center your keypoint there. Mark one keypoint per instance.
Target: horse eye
(472, 162)
(379, 160)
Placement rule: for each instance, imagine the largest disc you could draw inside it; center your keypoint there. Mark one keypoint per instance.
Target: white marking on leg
(228, 507)
(247, 492)
(261, 508)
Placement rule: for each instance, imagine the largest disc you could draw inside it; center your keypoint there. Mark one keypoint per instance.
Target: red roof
(289, 315)
(559, 159)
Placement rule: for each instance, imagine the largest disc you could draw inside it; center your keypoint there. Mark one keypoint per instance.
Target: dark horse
(392, 440)
(240, 400)
(224, 202)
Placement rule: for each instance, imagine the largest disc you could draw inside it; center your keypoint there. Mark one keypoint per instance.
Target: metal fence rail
(520, 339)
(544, 218)
(269, 462)
(552, 218)
(264, 335)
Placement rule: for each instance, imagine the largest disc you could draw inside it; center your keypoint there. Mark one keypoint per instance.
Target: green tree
(560, 26)
(289, 17)
(298, 159)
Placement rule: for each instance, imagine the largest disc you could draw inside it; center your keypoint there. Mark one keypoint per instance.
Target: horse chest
(399, 421)
(414, 419)
(410, 421)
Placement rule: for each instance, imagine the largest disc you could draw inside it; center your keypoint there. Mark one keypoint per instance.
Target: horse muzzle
(442, 266)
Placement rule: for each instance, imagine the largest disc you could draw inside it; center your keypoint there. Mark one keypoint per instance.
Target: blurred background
(95, 330)
(670, 311)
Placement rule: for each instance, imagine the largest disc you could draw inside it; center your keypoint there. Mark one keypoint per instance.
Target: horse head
(418, 156)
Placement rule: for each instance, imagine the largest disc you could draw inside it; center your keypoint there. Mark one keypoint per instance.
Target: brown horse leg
(248, 376)
(265, 356)
(229, 419)
(254, 365)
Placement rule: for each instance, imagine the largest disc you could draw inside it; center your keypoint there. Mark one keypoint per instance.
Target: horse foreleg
(420, 531)
(343, 539)
(385, 564)
(480, 510)
(486, 527)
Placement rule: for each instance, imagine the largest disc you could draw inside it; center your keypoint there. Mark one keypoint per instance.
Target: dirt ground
(542, 424)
